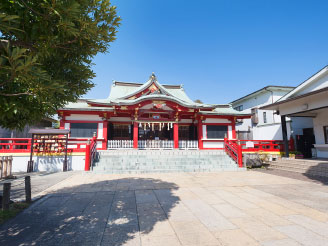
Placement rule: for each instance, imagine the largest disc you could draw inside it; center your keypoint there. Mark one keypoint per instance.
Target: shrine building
(150, 116)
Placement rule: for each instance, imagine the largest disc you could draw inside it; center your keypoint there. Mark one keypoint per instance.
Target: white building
(309, 99)
(264, 124)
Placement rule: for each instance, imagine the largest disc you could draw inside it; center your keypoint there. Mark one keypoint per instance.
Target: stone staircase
(163, 161)
(310, 167)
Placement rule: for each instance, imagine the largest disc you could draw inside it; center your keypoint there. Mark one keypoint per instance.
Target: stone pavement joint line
(225, 208)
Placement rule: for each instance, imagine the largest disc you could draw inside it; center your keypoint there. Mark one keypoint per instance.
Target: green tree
(46, 51)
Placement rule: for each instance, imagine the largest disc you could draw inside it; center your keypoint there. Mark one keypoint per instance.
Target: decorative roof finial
(153, 76)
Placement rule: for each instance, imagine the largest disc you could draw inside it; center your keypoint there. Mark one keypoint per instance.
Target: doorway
(305, 142)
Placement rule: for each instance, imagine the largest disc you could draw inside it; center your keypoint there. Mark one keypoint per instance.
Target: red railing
(15, 145)
(234, 150)
(23, 145)
(90, 153)
(261, 145)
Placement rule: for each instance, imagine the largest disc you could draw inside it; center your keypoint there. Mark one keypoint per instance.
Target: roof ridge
(140, 84)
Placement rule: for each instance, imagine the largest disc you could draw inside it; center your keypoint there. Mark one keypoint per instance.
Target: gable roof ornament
(153, 77)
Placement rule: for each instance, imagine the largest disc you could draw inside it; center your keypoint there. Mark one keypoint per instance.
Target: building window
(325, 129)
(215, 131)
(83, 130)
(121, 131)
(264, 117)
(239, 108)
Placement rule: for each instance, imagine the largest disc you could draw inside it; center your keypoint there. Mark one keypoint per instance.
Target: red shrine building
(150, 116)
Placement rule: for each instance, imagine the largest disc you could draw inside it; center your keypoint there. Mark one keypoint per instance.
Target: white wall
(84, 117)
(308, 103)
(271, 130)
(48, 163)
(319, 122)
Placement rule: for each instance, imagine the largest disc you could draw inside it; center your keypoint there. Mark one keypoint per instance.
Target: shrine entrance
(155, 133)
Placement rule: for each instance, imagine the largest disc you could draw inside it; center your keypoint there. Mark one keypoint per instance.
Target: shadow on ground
(109, 212)
(318, 172)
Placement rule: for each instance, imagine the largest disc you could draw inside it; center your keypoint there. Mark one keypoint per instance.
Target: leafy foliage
(46, 50)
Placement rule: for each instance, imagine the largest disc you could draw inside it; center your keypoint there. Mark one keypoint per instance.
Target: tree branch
(26, 5)
(16, 94)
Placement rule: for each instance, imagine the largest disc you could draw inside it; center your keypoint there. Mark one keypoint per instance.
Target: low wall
(75, 161)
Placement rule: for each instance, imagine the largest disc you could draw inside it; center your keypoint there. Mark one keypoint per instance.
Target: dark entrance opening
(305, 142)
(148, 133)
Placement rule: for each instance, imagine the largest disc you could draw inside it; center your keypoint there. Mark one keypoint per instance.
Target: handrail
(23, 145)
(234, 150)
(90, 153)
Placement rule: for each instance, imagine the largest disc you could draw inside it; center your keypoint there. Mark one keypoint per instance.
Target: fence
(261, 145)
(188, 144)
(120, 144)
(15, 145)
(155, 144)
(23, 145)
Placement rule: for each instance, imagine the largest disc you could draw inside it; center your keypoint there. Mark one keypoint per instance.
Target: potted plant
(299, 155)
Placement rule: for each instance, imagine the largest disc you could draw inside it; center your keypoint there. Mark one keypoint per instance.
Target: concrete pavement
(225, 208)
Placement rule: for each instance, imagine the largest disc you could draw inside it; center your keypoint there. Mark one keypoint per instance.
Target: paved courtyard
(227, 208)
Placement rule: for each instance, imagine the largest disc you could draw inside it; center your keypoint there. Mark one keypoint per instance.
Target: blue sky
(219, 50)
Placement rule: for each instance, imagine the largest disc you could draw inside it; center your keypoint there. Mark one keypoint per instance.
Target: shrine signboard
(48, 142)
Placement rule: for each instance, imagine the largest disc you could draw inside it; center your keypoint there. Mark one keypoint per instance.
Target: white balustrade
(152, 144)
(188, 144)
(120, 144)
(155, 144)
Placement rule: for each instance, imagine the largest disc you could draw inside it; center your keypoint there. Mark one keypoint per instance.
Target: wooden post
(30, 163)
(284, 135)
(6, 196)
(65, 160)
(10, 166)
(5, 165)
(1, 167)
(28, 198)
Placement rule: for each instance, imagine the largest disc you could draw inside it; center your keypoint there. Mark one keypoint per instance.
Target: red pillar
(87, 157)
(233, 127)
(105, 125)
(135, 135)
(176, 135)
(62, 124)
(239, 155)
(200, 134)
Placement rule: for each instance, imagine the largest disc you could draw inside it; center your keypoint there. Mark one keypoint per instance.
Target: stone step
(135, 171)
(147, 161)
